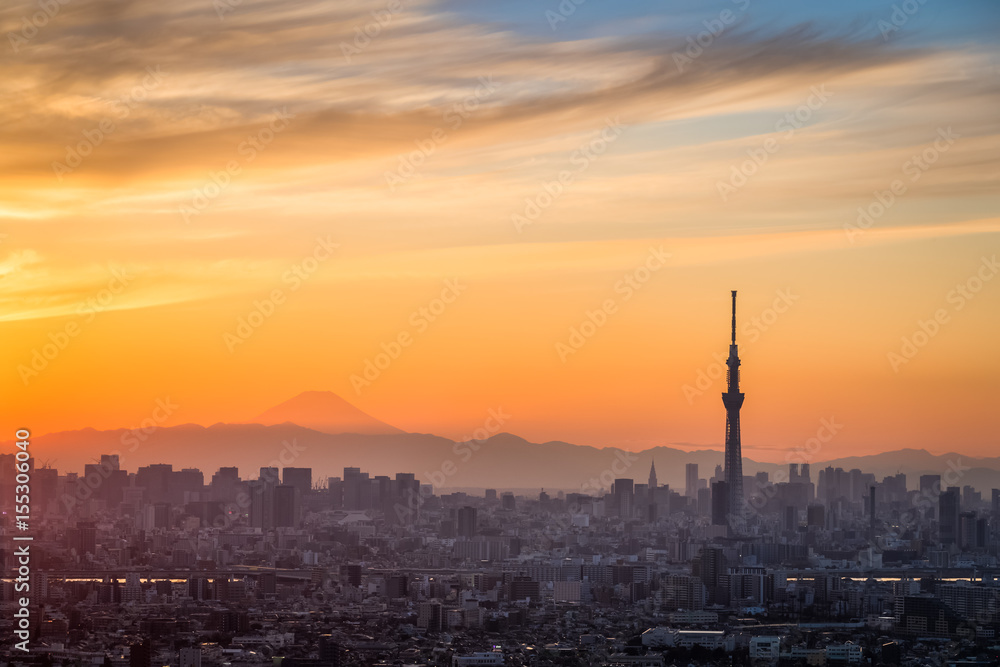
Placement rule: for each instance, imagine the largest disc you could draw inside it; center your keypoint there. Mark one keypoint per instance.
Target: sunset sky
(167, 169)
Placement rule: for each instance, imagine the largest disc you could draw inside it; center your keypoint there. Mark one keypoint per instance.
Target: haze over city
(260, 148)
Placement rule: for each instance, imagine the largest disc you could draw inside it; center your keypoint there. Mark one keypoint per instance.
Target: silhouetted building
(720, 503)
(623, 494)
(466, 522)
(948, 515)
(733, 400)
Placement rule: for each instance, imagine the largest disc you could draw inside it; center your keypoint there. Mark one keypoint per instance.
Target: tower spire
(732, 398)
(734, 317)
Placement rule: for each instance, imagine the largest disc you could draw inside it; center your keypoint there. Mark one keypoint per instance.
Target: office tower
(508, 502)
(623, 494)
(467, 522)
(85, 538)
(930, 489)
(300, 478)
(704, 502)
(995, 504)
(407, 483)
(733, 400)
(871, 511)
(261, 505)
(930, 484)
(948, 511)
(652, 476)
(155, 479)
(712, 567)
(225, 484)
(491, 495)
(357, 489)
(269, 474)
(285, 510)
(793, 473)
(804, 473)
(691, 480)
(720, 503)
(335, 490)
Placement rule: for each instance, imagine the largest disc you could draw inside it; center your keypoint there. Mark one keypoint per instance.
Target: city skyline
(170, 234)
(343, 333)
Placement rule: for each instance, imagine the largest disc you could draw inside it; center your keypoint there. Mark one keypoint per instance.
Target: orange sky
(139, 267)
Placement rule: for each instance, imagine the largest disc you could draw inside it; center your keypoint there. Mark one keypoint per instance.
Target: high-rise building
(269, 474)
(652, 476)
(623, 493)
(467, 522)
(733, 400)
(286, 508)
(948, 511)
(720, 503)
(300, 478)
(225, 484)
(357, 489)
(261, 505)
(691, 480)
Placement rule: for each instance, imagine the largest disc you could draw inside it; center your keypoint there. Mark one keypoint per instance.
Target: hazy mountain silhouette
(324, 411)
(503, 461)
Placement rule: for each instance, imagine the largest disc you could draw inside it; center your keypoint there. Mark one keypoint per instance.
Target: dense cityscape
(165, 567)
(168, 567)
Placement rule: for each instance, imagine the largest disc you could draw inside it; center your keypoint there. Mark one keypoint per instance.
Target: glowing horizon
(228, 207)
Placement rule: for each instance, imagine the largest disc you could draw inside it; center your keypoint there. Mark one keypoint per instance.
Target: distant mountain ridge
(504, 461)
(322, 431)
